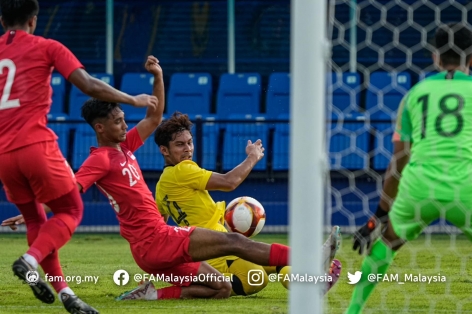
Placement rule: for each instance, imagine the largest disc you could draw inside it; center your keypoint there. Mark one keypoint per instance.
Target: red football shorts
(36, 172)
(166, 253)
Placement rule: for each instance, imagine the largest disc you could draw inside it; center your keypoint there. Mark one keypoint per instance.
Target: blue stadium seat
(135, 84)
(383, 142)
(238, 93)
(77, 98)
(346, 90)
(210, 137)
(280, 161)
(84, 139)
(385, 92)
(190, 93)
(278, 95)
(348, 144)
(237, 135)
(58, 84)
(149, 156)
(58, 123)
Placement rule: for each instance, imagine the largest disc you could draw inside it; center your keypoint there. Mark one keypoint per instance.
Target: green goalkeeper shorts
(410, 215)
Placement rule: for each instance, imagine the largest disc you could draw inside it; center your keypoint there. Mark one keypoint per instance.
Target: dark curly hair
(18, 12)
(94, 109)
(460, 49)
(169, 128)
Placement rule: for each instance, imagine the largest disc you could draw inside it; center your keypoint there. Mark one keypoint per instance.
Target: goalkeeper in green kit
(430, 174)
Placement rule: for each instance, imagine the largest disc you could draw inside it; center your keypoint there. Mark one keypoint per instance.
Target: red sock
(278, 255)
(57, 231)
(169, 293)
(52, 268)
(35, 218)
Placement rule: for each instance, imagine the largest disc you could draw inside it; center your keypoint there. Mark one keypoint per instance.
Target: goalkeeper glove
(364, 237)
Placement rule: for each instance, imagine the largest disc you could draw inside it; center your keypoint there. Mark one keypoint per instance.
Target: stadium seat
(348, 143)
(385, 92)
(149, 156)
(383, 146)
(58, 84)
(135, 84)
(84, 138)
(58, 123)
(190, 93)
(77, 98)
(278, 95)
(238, 93)
(346, 91)
(280, 161)
(210, 138)
(236, 136)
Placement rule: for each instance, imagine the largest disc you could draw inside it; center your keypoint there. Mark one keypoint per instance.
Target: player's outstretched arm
(153, 115)
(98, 89)
(364, 237)
(232, 179)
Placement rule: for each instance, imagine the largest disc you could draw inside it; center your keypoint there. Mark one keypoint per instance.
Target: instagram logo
(255, 277)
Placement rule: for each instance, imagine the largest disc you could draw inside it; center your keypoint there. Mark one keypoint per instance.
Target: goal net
(380, 49)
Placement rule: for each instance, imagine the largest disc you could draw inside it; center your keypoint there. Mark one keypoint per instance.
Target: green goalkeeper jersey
(436, 117)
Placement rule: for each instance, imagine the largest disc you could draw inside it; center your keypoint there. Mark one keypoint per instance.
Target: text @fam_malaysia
(397, 278)
(32, 278)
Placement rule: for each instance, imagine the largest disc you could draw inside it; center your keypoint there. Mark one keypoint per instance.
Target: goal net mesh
(380, 49)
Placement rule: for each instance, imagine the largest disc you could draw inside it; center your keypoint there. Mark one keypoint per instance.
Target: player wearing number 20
(433, 154)
(32, 169)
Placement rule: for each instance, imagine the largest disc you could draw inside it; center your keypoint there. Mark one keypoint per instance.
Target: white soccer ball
(245, 215)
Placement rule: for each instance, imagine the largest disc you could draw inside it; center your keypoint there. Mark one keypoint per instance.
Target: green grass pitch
(101, 255)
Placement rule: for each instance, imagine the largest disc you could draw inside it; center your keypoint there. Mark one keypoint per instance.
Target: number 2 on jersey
(131, 172)
(445, 111)
(6, 103)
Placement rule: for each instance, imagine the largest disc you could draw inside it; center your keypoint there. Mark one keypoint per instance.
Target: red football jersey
(26, 64)
(118, 176)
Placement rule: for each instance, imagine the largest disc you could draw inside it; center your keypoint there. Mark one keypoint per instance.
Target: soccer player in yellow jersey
(182, 193)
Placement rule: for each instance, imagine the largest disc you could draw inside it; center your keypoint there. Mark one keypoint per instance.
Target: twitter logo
(353, 279)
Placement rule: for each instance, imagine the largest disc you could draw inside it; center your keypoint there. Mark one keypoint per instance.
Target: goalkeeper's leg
(381, 256)
(407, 219)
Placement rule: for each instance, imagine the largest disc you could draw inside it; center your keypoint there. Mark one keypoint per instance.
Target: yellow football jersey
(180, 193)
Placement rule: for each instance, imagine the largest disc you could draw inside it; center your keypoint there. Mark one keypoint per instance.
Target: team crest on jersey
(130, 155)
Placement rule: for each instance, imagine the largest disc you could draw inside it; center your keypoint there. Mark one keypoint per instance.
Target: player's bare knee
(391, 238)
(224, 290)
(227, 289)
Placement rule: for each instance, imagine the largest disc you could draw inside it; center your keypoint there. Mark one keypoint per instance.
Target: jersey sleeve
(133, 140)
(403, 128)
(188, 173)
(63, 60)
(95, 167)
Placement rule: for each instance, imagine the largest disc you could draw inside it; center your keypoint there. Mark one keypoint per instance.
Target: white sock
(66, 290)
(30, 260)
(151, 295)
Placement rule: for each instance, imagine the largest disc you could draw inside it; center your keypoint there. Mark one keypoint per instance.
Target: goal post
(307, 151)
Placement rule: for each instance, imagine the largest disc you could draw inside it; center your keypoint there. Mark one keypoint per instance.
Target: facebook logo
(121, 277)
